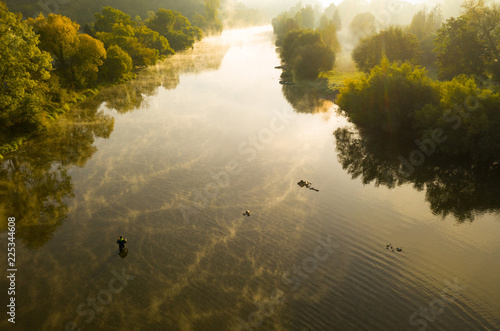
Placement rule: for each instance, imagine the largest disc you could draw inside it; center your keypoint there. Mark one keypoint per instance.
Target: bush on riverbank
(399, 99)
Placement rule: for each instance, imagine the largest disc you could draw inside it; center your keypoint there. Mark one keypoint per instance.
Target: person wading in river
(121, 242)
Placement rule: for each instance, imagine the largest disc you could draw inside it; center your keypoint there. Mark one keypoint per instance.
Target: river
(172, 159)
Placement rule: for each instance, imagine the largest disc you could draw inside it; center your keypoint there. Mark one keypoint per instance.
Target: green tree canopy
(117, 66)
(485, 21)
(392, 43)
(108, 17)
(78, 56)
(124, 36)
(283, 24)
(58, 36)
(388, 98)
(175, 27)
(85, 62)
(306, 52)
(459, 50)
(24, 68)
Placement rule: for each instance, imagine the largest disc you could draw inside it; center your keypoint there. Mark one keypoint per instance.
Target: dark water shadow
(457, 187)
(34, 182)
(309, 97)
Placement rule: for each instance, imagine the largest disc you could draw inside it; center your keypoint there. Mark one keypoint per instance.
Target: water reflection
(206, 56)
(34, 182)
(310, 99)
(457, 187)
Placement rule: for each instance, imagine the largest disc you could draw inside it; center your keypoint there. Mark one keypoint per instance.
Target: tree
(392, 43)
(388, 98)
(212, 15)
(110, 16)
(363, 25)
(175, 27)
(117, 66)
(24, 68)
(295, 39)
(305, 17)
(306, 52)
(85, 62)
(77, 55)
(485, 21)
(283, 24)
(459, 50)
(153, 39)
(311, 60)
(58, 36)
(328, 31)
(424, 26)
(124, 36)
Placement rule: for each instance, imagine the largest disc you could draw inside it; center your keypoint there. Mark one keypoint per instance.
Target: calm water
(171, 160)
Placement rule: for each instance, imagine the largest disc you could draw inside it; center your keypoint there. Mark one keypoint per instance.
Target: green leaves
(307, 54)
(24, 68)
(392, 43)
(458, 50)
(175, 28)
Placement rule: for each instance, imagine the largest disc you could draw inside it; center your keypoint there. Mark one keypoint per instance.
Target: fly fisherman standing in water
(121, 243)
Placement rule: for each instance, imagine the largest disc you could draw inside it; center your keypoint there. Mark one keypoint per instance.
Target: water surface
(172, 159)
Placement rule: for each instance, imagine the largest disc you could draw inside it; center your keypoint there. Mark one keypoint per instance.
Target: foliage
(332, 13)
(77, 56)
(58, 36)
(459, 50)
(305, 17)
(310, 60)
(363, 25)
(89, 55)
(24, 69)
(108, 17)
(392, 43)
(283, 24)
(402, 101)
(485, 21)
(175, 28)
(152, 39)
(328, 31)
(388, 98)
(212, 22)
(424, 26)
(306, 53)
(117, 66)
(471, 116)
(124, 36)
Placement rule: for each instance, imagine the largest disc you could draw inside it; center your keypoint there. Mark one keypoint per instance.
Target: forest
(409, 80)
(51, 62)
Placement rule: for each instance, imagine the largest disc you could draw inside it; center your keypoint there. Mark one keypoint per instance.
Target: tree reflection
(34, 182)
(309, 98)
(457, 187)
(206, 56)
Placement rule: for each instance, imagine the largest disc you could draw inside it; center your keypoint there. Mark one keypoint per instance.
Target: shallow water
(171, 160)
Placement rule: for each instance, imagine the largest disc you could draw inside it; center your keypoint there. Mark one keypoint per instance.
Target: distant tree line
(201, 13)
(48, 62)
